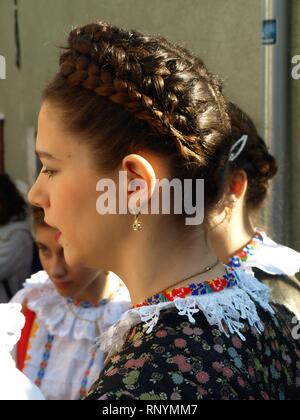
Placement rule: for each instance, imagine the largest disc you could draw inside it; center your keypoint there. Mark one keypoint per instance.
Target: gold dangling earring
(137, 224)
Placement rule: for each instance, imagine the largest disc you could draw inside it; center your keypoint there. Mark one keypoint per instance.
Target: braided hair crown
(159, 84)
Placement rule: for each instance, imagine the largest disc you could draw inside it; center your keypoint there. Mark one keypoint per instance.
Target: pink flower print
(237, 343)
(180, 343)
(217, 366)
(161, 333)
(175, 396)
(179, 359)
(112, 372)
(218, 348)
(130, 364)
(202, 391)
(202, 377)
(188, 331)
(266, 396)
(241, 382)
(139, 363)
(184, 367)
(198, 331)
(227, 373)
(134, 363)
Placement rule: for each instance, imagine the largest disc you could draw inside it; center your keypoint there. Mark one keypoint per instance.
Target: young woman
(233, 236)
(136, 104)
(15, 240)
(66, 309)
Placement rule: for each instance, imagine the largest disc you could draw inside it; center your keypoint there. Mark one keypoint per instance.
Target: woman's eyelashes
(49, 172)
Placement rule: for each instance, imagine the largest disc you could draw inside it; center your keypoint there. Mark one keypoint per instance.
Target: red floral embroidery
(218, 285)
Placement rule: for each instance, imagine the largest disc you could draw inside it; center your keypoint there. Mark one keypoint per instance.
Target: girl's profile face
(66, 190)
(69, 281)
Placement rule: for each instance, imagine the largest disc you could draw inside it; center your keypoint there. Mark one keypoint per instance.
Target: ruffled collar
(65, 318)
(231, 307)
(265, 254)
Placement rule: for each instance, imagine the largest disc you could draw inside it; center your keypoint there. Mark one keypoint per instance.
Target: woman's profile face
(66, 190)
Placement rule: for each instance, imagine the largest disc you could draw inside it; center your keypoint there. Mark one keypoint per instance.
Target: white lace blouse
(60, 356)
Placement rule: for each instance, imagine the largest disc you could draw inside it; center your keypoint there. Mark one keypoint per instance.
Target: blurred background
(250, 45)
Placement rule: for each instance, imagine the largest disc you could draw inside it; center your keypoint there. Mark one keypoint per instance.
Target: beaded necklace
(237, 260)
(228, 281)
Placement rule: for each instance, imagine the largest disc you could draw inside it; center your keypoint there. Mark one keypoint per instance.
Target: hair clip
(242, 143)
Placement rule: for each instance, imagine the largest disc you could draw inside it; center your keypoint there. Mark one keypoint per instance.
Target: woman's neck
(163, 256)
(230, 236)
(101, 288)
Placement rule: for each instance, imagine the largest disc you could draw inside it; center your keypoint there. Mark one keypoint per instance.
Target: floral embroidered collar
(228, 281)
(237, 260)
(265, 254)
(235, 302)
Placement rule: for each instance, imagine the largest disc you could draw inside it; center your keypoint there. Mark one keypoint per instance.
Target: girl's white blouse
(75, 330)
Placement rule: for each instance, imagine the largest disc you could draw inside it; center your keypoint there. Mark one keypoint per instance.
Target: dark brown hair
(255, 159)
(12, 205)
(126, 92)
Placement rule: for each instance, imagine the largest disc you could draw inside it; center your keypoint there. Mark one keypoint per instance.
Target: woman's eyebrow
(45, 155)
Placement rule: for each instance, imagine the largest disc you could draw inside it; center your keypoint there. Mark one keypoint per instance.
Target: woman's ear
(238, 185)
(141, 181)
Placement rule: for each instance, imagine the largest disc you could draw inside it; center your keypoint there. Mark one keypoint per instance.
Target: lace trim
(229, 308)
(65, 319)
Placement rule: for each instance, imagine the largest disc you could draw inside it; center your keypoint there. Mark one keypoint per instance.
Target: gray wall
(295, 130)
(226, 34)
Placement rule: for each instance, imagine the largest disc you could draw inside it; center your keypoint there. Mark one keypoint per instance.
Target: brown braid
(162, 85)
(259, 165)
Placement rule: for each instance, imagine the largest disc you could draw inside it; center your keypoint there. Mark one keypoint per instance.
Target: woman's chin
(72, 258)
(75, 258)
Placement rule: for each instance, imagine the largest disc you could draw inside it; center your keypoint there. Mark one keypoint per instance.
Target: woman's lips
(61, 283)
(57, 236)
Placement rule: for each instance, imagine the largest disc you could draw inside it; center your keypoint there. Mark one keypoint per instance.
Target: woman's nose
(37, 196)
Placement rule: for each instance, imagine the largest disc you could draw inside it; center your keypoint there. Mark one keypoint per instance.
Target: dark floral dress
(183, 361)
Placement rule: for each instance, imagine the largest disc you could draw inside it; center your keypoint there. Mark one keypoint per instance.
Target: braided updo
(126, 92)
(259, 165)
